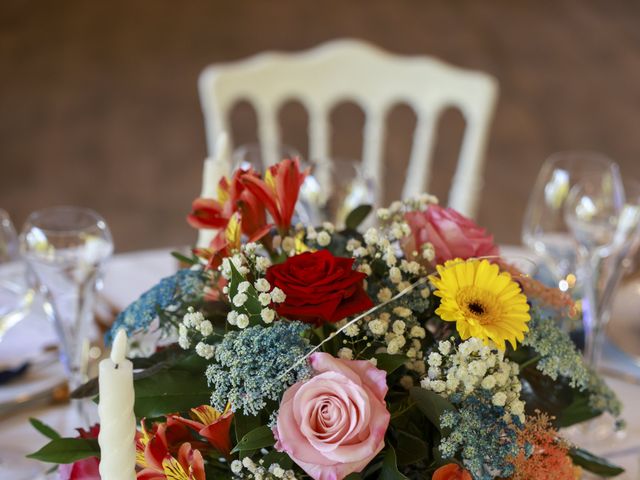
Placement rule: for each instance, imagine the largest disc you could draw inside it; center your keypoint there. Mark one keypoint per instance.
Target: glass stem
(72, 323)
(591, 310)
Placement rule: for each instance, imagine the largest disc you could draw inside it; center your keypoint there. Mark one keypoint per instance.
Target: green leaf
(280, 458)
(410, 449)
(67, 450)
(168, 391)
(183, 258)
(357, 216)
(389, 469)
(244, 424)
(593, 463)
(430, 404)
(260, 437)
(577, 412)
(390, 363)
(44, 429)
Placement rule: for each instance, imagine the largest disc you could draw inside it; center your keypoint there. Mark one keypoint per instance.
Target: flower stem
(531, 361)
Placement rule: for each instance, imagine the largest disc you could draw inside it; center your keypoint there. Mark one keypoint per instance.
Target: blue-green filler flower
(184, 286)
(250, 365)
(485, 440)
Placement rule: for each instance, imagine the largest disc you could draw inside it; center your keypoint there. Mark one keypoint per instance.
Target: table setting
(311, 333)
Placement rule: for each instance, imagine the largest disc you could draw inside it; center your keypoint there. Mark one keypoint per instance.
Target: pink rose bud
(451, 234)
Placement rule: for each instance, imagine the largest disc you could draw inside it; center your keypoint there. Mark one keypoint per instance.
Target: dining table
(127, 275)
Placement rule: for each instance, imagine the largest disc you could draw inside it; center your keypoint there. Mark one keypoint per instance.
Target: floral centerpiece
(287, 351)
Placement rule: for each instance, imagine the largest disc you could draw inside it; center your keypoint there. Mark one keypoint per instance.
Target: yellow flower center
(478, 304)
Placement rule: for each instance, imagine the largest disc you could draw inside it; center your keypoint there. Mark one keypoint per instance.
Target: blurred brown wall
(99, 104)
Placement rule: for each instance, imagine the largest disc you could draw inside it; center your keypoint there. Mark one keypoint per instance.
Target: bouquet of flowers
(290, 351)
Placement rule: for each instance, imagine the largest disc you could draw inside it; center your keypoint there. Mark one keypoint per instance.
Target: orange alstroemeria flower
(188, 466)
(155, 447)
(451, 471)
(212, 425)
(279, 190)
(233, 196)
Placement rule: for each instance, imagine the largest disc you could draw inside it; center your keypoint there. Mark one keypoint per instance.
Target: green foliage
(179, 386)
(357, 216)
(593, 463)
(389, 469)
(410, 448)
(67, 450)
(44, 429)
(192, 260)
(556, 397)
(431, 405)
(260, 437)
(388, 362)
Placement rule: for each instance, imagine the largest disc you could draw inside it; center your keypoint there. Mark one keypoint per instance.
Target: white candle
(214, 169)
(117, 420)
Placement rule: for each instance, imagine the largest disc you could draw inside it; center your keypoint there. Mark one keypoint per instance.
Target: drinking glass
(604, 219)
(334, 188)
(252, 155)
(65, 248)
(544, 229)
(15, 296)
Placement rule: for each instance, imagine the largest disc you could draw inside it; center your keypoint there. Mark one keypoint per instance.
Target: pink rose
(334, 423)
(86, 469)
(451, 234)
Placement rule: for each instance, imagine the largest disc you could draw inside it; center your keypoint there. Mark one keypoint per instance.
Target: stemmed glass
(604, 219)
(544, 229)
(252, 155)
(334, 189)
(64, 248)
(15, 296)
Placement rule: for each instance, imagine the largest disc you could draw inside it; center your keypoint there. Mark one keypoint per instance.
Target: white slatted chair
(351, 70)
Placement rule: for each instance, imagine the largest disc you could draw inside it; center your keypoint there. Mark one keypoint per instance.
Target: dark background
(99, 107)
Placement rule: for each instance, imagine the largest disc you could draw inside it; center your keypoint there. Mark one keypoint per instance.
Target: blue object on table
(10, 374)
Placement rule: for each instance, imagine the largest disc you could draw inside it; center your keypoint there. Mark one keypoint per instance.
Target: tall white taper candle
(214, 169)
(117, 420)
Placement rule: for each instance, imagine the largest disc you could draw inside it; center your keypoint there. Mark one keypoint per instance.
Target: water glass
(65, 248)
(252, 155)
(15, 296)
(335, 188)
(544, 229)
(605, 222)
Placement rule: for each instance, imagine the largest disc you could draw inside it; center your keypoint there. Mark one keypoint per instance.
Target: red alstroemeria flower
(233, 196)
(85, 469)
(279, 190)
(162, 442)
(212, 425)
(188, 466)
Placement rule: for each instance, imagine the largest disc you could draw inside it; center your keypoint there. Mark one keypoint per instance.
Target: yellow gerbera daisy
(484, 302)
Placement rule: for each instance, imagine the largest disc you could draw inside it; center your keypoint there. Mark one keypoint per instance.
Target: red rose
(452, 235)
(319, 288)
(86, 469)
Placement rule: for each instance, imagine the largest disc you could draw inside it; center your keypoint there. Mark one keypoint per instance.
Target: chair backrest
(351, 70)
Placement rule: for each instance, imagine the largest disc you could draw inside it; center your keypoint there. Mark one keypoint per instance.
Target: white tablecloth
(128, 275)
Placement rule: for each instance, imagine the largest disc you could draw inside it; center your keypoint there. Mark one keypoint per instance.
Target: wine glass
(15, 296)
(334, 188)
(605, 220)
(544, 228)
(251, 155)
(65, 248)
